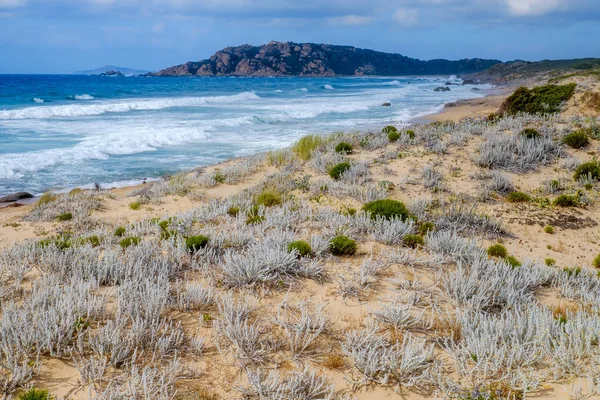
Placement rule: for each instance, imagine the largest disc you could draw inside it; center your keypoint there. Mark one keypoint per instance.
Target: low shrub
(233, 211)
(62, 242)
(337, 170)
(549, 229)
(512, 261)
(302, 248)
(577, 139)
(93, 240)
(389, 129)
(342, 246)
(387, 209)
(129, 241)
(550, 262)
(36, 394)
(497, 250)
(268, 198)
(596, 262)
(413, 241)
(306, 145)
(393, 136)
(120, 231)
(65, 217)
(517, 197)
(590, 168)
(343, 147)
(530, 133)
(426, 227)
(219, 177)
(410, 133)
(136, 205)
(46, 198)
(195, 243)
(566, 200)
(75, 192)
(539, 100)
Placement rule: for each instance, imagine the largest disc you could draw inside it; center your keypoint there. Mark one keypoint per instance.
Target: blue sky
(61, 36)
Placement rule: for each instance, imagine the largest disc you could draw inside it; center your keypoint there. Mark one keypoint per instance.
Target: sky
(62, 36)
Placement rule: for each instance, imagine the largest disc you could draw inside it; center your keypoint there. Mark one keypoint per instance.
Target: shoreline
(473, 107)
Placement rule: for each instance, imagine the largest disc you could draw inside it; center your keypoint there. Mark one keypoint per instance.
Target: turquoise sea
(63, 131)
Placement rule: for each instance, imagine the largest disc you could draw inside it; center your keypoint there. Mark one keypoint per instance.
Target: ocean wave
(83, 97)
(120, 106)
(304, 89)
(328, 87)
(37, 100)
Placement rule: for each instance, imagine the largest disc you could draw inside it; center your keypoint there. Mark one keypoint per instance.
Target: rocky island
(309, 59)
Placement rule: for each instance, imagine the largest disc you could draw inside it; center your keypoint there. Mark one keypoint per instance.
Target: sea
(58, 132)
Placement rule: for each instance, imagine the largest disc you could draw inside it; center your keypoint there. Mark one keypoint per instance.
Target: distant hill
(111, 68)
(309, 59)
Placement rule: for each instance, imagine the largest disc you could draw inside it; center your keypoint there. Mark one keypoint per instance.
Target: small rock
(15, 197)
(441, 89)
(469, 82)
(386, 104)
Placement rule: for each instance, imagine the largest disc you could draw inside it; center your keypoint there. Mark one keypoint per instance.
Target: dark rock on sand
(442, 89)
(15, 197)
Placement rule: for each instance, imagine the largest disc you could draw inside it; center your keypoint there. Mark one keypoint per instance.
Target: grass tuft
(387, 209)
(342, 246)
(306, 145)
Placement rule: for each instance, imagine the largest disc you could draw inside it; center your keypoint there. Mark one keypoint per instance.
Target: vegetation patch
(588, 169)
(413, 241)
(338, 170)
(36, 394)
(387, 209)
(530, 133)
(549, 229)
(301, 247)
(344, 148)
(426, 227)
(269, 198)
(539, 100)
(129, 241)
(46, 198)
(195, 243)
(342, 246)
(497, 250)
(65, 217)
(136, 205)
(393, 136)
(306, 145)
(517, 197)
(120, 231)
(577, 139)
(566, 200)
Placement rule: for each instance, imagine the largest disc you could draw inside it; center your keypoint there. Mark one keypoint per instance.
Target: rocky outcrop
(15, 197)
(111, 73)
(309, 59)
(441, 89)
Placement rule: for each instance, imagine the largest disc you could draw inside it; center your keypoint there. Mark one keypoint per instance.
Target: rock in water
(386, 105)
(469, 82)
(441, 89)
(15, 196)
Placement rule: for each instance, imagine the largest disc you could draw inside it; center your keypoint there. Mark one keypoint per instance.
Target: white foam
(83, 97)
(277, 91)
(38, 100)
(304, 89)
(120, 106)
(328, 87)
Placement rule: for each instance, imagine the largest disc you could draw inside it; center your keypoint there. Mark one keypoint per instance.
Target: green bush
(219, 177)
(62, 242)
(35, 394)
(337, 170)
(302, 248)
(233, 211)
(590, 168)
(343, 147)
(136, 205)
(596, 262)
(410, 133)
(550, 262)
(565, 200)
(120, 231)
(268, 198)
(413, 241)
(387, 209)
(530, 133)
(65, 217)
(517, 197)
(195, 243)
(129, 241)
(93, 240)
(425, 228)
(306, 145)
(497, 250)
(539, 100)
(577, 139)
(393, 136)
(46, 198)
(512, 261)
(389, 129)
(342, 246)
(549, 229)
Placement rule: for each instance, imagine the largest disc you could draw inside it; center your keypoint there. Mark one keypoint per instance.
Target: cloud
(406, 16)
(350, 20)
(533, 7)
(6, 4)
(159, 27)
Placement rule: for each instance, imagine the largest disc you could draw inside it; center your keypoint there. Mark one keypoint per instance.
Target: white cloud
(350, 20)
(406, 16)
(533, 7)
(158, 27)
